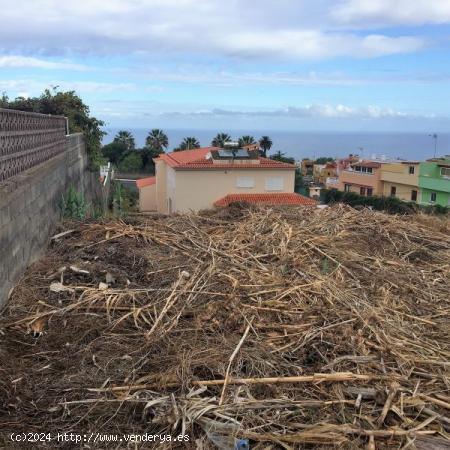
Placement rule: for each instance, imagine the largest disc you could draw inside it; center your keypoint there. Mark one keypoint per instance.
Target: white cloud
(317, 45)
(21, 62)
(338, 111)
(282, 29)
(387, 12)
(35, 87)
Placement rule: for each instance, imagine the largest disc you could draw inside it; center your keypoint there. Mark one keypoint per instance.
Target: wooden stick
(316, 378)
(435, 401)
(392, 392)
(233, 355)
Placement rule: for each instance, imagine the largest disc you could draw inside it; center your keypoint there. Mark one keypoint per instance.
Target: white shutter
(245, 182)
(274, 184)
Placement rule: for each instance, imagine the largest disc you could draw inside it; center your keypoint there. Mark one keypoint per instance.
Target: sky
(298, 65)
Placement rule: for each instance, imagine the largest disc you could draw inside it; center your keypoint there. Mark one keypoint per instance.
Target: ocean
(415, 146)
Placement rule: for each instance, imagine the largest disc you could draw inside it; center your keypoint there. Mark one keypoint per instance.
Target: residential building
(401, 180)
(434, 181)
(362, 177)
(206, 177)
(323, 171)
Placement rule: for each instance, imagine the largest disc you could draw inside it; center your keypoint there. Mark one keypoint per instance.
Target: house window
(347, 187)
(393, 191)
(411, 170)
(274, 184)
(413, 195)
(358, 168)
(445, 172)
(433, 196)
(369, 192)
(369, 170)
(245, 182)
(362, 191)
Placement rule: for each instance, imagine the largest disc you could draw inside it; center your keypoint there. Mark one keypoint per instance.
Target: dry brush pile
(291, 328)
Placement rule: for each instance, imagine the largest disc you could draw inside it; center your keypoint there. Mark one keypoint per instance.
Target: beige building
(198, 179)
(401, 180)
(147, 193)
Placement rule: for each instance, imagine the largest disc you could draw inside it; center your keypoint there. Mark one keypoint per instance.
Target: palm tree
(220, 140)
(246, 140)
(157, 141)
(125, 138)
(266, 144)
(188, 143)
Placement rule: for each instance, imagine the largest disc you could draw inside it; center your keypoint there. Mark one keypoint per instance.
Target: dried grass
(207, 315)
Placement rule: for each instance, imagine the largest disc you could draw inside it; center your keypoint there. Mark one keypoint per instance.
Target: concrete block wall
(30, 208)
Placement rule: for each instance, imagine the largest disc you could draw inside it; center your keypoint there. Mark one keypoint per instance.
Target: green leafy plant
(73, 205)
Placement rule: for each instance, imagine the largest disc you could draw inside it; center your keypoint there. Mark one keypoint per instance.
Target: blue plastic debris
(242, 444)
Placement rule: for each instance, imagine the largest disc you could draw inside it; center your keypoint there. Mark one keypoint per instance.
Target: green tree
(4, 100)
(115, 151)
(147, 157)
(70, 105)
(220, 140)
(280, 156)
(246, 140)
(324, 160)
(188, 143)
(131, 163)
(125, 138)
(157, 141)
(266, 144)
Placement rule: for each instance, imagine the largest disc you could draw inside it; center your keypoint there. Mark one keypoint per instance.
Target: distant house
(434, 181)
(206, 177)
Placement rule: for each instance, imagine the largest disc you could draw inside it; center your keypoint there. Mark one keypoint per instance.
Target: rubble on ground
(287, 328)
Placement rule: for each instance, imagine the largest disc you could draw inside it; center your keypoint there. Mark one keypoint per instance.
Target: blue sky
(346, 65)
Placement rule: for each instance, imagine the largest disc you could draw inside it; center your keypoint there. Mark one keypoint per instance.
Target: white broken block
(59, 287)
(78, 270)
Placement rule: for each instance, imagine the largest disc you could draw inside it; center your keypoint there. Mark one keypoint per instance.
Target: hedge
(392, 205)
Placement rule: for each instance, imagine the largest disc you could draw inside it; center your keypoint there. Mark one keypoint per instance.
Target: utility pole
(435, 137)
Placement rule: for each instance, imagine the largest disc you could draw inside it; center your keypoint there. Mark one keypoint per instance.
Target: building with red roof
(202, 178)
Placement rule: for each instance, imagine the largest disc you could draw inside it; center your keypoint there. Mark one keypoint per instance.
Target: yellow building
(401, 180)
(323, 171)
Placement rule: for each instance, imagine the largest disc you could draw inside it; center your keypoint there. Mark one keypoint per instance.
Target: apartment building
(401, 180)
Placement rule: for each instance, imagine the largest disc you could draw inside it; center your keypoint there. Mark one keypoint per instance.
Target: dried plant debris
(283, 328)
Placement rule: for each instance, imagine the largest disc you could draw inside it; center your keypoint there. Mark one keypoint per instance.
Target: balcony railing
(28, 139)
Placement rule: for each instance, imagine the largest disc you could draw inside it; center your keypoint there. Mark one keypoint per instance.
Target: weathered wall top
(28, 139)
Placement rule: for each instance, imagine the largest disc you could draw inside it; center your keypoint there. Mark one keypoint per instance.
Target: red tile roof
(176, 159)
(143, 182)
(278, 198)
(195, 159)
